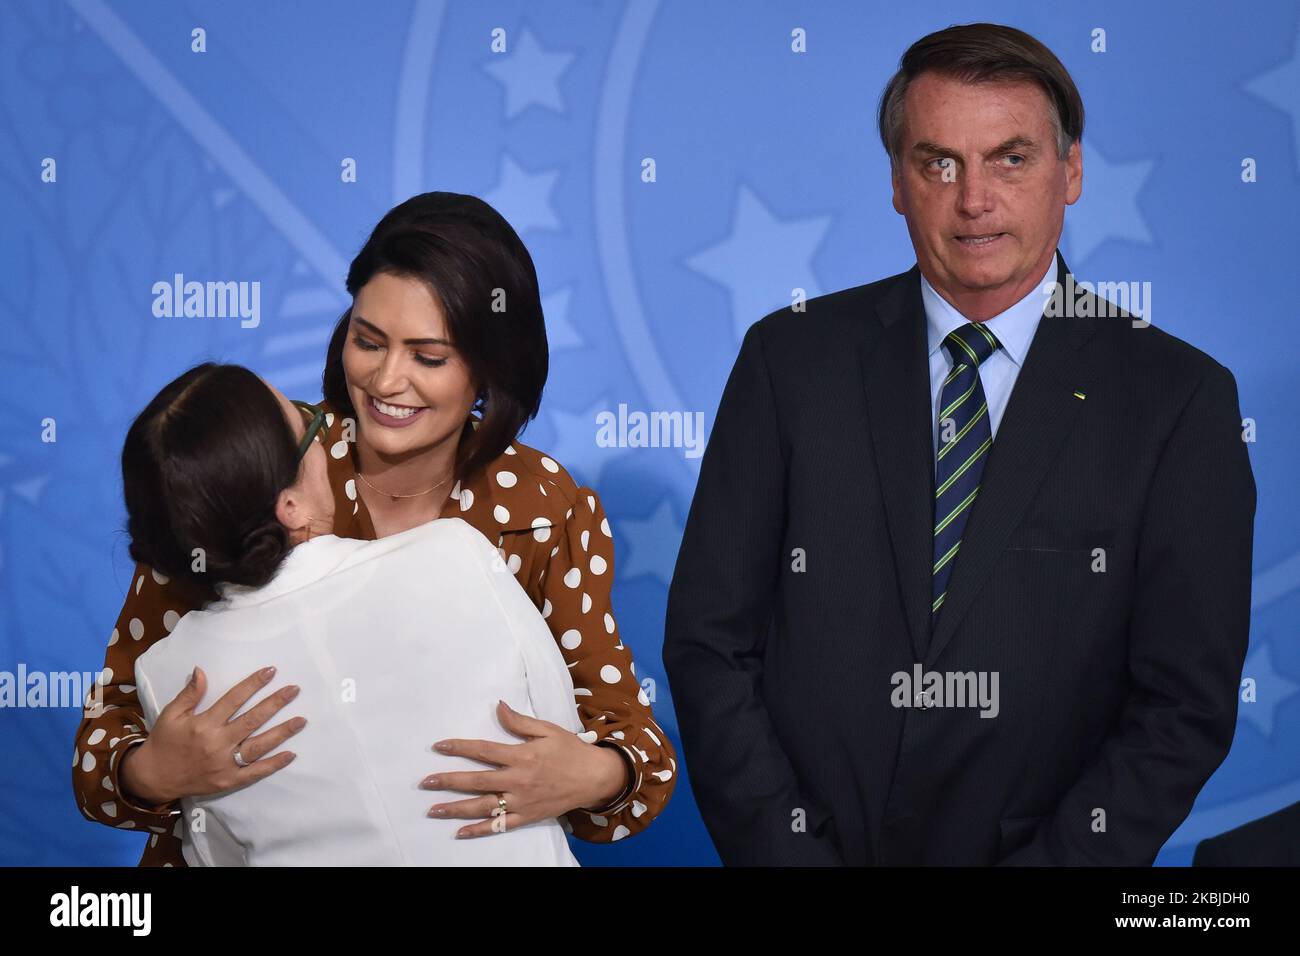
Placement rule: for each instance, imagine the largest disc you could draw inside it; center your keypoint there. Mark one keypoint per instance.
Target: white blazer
(396, 643)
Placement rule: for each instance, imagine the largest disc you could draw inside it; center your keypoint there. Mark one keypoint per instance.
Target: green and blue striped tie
(965, 437)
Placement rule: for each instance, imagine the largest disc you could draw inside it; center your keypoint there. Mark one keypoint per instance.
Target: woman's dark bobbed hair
(465, 252)
(202, 468)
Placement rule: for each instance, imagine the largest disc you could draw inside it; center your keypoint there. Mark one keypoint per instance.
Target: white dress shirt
(1014, 328)
(396, 643)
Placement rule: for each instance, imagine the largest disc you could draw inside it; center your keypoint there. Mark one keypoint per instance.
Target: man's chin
(987, 274)
(992, 278)
(983, 279)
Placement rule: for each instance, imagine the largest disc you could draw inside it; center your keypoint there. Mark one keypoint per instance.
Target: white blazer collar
(305, 563)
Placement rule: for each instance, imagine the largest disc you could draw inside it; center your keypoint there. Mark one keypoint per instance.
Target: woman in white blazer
(430, 377)
(391, 644)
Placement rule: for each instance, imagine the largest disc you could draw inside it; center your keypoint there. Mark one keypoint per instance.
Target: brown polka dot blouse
(554, 537)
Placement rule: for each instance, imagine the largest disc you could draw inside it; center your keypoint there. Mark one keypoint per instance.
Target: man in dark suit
(966, 576)
(1273, 840)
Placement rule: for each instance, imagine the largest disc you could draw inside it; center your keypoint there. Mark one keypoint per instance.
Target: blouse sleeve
(575, 589)
(115, 723)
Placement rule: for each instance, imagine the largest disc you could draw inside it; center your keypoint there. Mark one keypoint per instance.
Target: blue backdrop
(229, 164)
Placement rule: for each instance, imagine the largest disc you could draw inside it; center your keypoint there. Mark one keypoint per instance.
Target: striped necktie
(965, 437)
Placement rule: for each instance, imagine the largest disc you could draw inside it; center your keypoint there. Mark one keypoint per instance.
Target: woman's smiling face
(410, 386)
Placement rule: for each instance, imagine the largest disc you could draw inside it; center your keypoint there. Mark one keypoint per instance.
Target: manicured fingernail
(266, 672)
(438, 812)
(297, 724)
(442, 745)
(429, 783)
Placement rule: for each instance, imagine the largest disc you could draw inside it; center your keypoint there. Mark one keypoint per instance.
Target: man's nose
(974, 191)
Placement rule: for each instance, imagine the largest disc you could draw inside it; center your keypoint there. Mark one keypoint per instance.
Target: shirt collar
(1014, 328)
(303, 564)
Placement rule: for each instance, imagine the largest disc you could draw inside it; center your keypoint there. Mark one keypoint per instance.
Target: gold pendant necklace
(416, 495)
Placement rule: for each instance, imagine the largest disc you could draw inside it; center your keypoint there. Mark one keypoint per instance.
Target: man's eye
(1020, 159)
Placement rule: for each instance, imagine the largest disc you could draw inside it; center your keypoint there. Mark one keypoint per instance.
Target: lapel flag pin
(1079, 395)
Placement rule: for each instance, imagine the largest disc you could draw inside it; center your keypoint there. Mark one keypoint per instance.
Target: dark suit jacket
(1118, 688)
(1273, 840)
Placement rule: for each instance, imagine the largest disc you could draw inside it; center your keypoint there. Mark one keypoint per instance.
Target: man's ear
(897, 183)
(1074, 173)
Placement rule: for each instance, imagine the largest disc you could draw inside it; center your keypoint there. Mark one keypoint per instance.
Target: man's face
(979, 161)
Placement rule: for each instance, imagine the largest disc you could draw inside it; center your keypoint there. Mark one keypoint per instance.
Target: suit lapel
(1039, 415)
(896, 378)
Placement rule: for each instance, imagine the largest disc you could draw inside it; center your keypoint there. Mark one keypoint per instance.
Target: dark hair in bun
(202, 468)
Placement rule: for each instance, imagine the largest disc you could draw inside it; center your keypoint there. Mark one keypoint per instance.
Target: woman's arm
(125, 777)
(113, 724)
(575, 600)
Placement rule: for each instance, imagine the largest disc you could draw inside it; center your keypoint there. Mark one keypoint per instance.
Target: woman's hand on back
(546, 776)
(190, 754)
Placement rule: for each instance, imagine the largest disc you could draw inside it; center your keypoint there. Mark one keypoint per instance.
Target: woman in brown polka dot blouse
(429, 377)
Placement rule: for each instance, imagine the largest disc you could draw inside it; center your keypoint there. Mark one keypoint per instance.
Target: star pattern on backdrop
(650, 543)
(573, 443)
(1280, 88)
(1271, 690)
(529, 74)
(523, 197)
(560, 331)
(762, 259)
(1108, 208)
